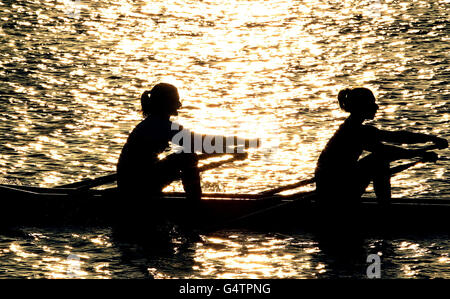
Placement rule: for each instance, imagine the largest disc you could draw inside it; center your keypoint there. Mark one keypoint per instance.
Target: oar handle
(428, 157)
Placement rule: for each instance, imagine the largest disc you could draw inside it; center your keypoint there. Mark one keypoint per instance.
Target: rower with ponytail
(343, 99)
(340, 173)
(145, 168)
(162, 99)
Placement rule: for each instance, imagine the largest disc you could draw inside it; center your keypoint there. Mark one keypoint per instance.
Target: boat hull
(27, 208)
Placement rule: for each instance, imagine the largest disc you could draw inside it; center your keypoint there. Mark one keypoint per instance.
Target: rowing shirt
(343, 150)
(147, 140)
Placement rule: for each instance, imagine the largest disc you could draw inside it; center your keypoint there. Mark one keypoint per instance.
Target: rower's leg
(376, 169)
(382, 182)
(190, 177)
(187, 165)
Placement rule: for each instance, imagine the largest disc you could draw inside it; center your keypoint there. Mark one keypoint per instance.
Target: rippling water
(71, 74)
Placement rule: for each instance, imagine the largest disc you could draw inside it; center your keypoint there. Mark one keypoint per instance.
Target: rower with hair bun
(142, 174)
(341, 174)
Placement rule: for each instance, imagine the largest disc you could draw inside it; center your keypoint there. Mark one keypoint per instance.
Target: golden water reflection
(71, 78)
(267, 69)
(224, 254)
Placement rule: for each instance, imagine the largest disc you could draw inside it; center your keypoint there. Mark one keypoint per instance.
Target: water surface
(70, 78)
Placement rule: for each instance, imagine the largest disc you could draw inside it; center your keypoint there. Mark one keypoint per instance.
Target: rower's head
(162, 100)
(359, 102)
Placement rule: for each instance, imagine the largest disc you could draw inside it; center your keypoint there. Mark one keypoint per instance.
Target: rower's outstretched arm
(393, 153)
(375, 145)
(405, 137)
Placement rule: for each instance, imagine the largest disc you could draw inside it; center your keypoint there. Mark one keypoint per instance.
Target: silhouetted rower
(141, 174)
(341, 177)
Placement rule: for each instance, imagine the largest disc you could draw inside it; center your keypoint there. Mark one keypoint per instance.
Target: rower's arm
(405, 137)
(393, 153)
(372, 141)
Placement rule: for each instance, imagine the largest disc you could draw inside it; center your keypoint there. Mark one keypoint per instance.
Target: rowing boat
(79, 204)
(33, 206)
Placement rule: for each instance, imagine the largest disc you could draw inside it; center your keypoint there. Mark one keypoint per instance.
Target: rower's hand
(441, 143)
(429, 157)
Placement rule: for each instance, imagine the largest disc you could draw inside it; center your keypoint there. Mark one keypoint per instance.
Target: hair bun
(160, 99)
(145, 94)
(343, 98)
(145, 100)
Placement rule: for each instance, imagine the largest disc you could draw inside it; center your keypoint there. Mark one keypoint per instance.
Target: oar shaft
(288, 187)
(400, 168)
(89, 183)
(218, 163)
(272, 192)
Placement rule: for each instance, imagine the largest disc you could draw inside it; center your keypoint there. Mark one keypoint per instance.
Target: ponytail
(158, 100)
(344, 99)
(146, 103)
(356, 99)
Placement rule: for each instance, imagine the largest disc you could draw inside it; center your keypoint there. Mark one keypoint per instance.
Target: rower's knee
(374, 162)
(183, 160)
(377, 169)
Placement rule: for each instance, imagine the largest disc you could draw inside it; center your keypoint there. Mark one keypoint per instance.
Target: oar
(90, 183)
(236, 157)
(84, 185)
(111, 178)
(288, 187)
(261, 195)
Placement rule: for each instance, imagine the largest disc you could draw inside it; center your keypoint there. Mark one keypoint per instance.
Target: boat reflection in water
(49, 253)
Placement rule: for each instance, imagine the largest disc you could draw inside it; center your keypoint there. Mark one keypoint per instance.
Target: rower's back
(336, 170)
(140, 153)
